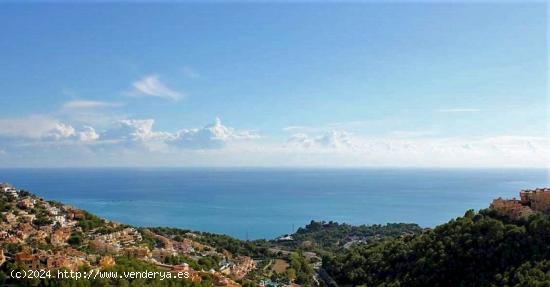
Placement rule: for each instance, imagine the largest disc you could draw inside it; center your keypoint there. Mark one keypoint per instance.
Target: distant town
(41, 234)
(530, 201)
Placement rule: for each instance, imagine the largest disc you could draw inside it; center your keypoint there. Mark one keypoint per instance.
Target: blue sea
(265, 203)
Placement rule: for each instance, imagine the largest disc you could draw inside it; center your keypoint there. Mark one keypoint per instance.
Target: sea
(263, 203)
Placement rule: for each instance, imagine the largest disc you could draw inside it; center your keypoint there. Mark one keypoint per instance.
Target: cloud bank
(35, 127)
(338, 140)
(137, 142)
(211, 136)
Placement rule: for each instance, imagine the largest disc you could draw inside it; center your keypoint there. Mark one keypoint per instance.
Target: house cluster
(238, 267)
(46, 233)
(9, 189)
(17, 225)
(194, 275)
(165, 248)
(66, 257)
(116, 241)
(241, 267)
(221, 280)
(230, 267)
(530, 201)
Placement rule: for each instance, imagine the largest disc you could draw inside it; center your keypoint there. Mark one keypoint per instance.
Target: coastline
(267, 203)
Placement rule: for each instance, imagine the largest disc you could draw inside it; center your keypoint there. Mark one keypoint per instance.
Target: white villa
(8, 188)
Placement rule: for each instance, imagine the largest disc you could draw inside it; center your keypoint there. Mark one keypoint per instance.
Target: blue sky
(249, 84)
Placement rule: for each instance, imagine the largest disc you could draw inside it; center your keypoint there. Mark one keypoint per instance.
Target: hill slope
(478, 249)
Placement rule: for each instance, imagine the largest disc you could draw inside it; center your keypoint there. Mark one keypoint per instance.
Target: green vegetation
(76, 239)
(4, 204)
(533, 274)
(478, 249)
(90, 222)
(180, 259)
(42, 219)
(332, 235)
(255, 249)
(299, 271)
(208, 262)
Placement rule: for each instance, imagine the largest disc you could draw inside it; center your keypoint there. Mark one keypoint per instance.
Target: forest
(477, 249)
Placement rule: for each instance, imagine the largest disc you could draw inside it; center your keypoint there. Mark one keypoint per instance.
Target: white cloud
(43, 129)
(458, 110)
(142, 130)
(88, 134)
(34, 127)
(330, 140)
(337, 139)
(130, 142)
(212, 136)
(153, 87)
(135, 134)
(301, 140)
(85, 104)
(60, 131)
(412, 149)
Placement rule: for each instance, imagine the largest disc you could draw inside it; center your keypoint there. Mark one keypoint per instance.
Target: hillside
(488, 248)
(331, 236)
(36, 234)
(507, 244)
